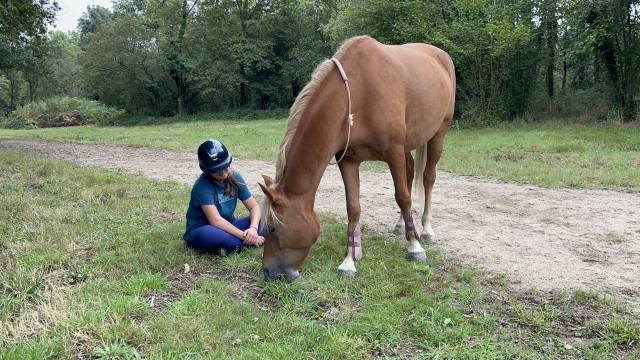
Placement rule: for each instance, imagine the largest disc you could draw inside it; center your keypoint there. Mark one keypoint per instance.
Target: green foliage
(180, 57)
(63, 111)
(221, 116)
(91, 20)
(490, 42)
(41, 69)
(613, 29)
(23, 21)
(173, 57)
(64, 75)
(123, 69)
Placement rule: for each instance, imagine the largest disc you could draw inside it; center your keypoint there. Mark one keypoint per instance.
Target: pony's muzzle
(280, 272)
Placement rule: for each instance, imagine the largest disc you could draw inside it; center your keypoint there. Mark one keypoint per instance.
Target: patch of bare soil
(550, 239)
(247, 289)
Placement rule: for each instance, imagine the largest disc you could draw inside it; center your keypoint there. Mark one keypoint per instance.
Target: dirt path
(541, 238)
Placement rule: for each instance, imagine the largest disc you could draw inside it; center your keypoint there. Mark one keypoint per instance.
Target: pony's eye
(272, 229)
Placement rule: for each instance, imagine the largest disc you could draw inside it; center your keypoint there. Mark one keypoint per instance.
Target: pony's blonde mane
(301, 102)
(295, 113)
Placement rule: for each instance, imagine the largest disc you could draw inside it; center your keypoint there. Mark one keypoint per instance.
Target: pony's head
(291, 230)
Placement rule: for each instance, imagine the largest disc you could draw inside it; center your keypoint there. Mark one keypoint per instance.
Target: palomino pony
(402, 98)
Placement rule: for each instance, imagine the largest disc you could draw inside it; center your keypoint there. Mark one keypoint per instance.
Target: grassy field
(546, 155)
(93, 266)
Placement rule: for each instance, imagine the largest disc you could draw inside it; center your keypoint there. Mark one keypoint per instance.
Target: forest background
(534, 60)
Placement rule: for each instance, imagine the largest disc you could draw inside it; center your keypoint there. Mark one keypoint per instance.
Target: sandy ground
(547, 239)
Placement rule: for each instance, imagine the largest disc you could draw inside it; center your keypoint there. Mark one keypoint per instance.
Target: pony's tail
(419, 167)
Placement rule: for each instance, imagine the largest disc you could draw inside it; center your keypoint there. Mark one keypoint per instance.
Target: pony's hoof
(347, 273)
(417, 256)
(428, 239)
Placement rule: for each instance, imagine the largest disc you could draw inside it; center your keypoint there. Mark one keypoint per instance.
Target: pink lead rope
(350, 116)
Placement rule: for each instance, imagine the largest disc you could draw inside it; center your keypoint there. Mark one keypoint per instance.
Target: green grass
(553, 156)
(94, 267)
(247, 139)
(548, 155)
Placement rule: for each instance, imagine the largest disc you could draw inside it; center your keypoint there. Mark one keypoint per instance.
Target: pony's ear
(271, 193)
(267, 180)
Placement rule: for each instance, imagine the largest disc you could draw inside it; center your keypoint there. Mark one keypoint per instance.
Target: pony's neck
(320, 135)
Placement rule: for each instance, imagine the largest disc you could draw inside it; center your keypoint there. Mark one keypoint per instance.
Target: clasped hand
(251, 237)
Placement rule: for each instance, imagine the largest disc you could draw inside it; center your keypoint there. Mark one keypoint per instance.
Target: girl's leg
(207, 238)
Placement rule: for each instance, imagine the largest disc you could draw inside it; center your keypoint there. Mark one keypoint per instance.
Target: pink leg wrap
(412, 227)
(354, 242)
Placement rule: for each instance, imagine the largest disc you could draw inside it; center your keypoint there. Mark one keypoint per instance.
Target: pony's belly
(364, 153)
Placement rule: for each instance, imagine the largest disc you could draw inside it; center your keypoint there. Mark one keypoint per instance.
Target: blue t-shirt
(206, 192)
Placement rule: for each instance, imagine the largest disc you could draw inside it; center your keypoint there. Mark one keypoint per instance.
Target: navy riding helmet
(213, 156)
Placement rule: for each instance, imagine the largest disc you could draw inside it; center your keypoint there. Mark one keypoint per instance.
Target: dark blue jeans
(208, 238)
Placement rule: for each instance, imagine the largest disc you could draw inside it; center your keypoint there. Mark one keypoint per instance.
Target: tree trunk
(243, 94)
(181, 89)
(177, 68)
(550, 81)
(551, 30)
(564, 73)
(13, 89)
(33, 87)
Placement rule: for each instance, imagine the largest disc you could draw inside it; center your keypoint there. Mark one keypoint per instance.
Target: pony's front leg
(351, 178)
(397, 165)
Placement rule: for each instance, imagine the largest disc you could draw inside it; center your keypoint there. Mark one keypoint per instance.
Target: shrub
(471, 115)
(232, 114)
(61, 111)
(583, 105)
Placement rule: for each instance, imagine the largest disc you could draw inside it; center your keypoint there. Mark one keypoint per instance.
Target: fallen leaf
(211, 346)
(129, 338)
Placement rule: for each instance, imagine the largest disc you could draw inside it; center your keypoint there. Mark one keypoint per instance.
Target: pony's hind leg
(434, 151)
(400, 225)
(351, 178)
(398, 164)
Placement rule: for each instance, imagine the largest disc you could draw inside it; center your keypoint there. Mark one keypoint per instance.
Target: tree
(91, 20)
(171, 19)
(64, 71)
(34, 65)
(22, 21)
(123, 67)
(22, 34)
(614, 28)
(236, 52)
(549, 30)
(491, 43)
